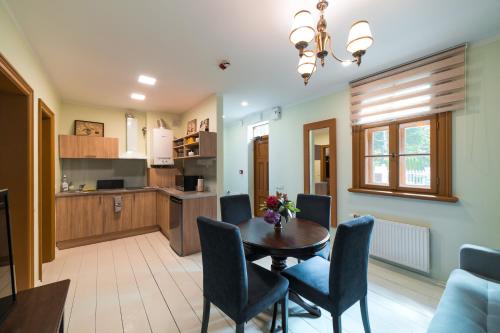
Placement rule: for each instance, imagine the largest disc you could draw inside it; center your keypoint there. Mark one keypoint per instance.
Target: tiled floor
(139, 284)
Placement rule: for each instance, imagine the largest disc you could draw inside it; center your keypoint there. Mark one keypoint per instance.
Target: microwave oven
(186, 183)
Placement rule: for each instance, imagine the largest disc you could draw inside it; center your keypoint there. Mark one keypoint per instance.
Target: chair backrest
(225, 280)
(349, 264)
(235, 208)
(316, 208)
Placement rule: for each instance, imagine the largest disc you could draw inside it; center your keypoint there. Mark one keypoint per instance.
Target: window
(401, 120)
(261, 129)
(409, 158)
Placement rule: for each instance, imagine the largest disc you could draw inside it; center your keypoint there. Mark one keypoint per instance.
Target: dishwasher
(175, 227)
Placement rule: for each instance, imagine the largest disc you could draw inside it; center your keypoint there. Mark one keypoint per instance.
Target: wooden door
(46, 190)
(120, 221)
(163, 215)
(144, 209)
(261, 172)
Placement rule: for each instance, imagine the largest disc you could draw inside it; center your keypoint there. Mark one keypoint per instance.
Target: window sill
(431, 197)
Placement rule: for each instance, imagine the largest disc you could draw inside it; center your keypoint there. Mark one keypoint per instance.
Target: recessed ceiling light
(244, 103)
(346, 63)
(144, 79)
(223, 117)
(137, 97)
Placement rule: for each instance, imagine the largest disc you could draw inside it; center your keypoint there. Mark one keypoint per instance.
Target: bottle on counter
(64, 184)
(200, 186)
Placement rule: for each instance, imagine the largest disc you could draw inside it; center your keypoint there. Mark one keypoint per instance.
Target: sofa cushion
(470, 304)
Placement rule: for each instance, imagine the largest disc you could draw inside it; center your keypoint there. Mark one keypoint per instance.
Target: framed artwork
(191, 127)
(89, 128)
(204, 125)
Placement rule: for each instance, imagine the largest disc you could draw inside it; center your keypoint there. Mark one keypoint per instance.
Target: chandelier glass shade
(303, 33)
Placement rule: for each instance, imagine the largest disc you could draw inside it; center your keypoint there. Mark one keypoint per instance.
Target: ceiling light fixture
(137, 96)
(144, 79)
(359, 40)
(244, 103)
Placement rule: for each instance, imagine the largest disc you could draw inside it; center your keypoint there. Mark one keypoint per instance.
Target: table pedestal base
(278, 265)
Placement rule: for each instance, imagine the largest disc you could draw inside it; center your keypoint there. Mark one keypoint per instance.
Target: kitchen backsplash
(88, 171)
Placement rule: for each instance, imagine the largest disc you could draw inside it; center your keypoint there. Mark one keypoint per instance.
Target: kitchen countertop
(171, 191)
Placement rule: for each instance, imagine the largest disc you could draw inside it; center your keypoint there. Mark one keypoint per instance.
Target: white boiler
(161, 146)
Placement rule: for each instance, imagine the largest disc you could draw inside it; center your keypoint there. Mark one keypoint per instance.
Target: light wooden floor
(139, 284)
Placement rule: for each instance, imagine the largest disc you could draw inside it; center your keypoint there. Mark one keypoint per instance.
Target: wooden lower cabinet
(86, 219)
(120, 221)
(79, 216)
(163, 212)
(144, 209)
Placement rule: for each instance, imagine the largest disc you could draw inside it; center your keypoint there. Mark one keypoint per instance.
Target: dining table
(298, 238)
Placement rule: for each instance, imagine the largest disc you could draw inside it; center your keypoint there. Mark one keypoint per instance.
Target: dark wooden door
(261, 172)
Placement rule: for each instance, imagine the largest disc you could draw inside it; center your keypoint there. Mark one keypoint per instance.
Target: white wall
(17, 51)
(476, 165)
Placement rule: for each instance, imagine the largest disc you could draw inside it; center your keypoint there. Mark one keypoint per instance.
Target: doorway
(261, 172)
(46, 183)
(16, 166)
(320, 162)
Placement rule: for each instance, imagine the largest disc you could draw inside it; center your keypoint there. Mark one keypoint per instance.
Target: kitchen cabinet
(144, 209)
(117, 221)
(79, 216)
(183, 226)
(73, 146)
(86, 218)
(163, 212)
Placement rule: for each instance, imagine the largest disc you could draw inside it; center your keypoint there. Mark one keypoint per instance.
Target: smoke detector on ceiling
(224, 64)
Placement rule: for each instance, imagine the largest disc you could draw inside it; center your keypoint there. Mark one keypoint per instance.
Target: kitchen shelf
(205, 147)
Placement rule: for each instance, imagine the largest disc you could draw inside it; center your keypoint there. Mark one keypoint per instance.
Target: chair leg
(284, 313)
(363, 303)
(206, 315)
(275, 310)
(240, 328)
(337, 324)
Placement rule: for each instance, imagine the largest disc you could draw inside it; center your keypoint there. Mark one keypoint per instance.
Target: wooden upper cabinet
(72, 146)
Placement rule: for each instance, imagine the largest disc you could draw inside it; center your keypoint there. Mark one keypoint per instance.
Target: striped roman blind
(428, 85)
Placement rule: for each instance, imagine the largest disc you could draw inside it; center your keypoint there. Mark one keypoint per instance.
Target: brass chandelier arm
(337, 58)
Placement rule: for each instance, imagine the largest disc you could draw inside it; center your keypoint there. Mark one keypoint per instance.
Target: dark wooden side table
(298, 238)
(39, 310)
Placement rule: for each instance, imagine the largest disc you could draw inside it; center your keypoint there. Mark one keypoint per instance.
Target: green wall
(476, 164)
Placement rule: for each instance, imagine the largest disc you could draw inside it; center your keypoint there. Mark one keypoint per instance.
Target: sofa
(471, 300)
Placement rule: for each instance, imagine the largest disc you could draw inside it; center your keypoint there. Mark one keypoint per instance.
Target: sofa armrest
(480, 260)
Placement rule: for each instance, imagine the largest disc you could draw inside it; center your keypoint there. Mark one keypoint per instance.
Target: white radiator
(404, 244)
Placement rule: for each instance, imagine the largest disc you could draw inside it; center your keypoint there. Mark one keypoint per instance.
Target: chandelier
(303, 32)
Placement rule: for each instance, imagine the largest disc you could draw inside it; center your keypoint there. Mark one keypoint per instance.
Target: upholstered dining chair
(239, 288)
(236, 209)
(316, 208)
(337, 285)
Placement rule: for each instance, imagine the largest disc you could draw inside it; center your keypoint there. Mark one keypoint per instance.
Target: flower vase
(278, 226)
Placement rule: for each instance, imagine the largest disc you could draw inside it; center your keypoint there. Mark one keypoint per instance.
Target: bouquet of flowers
(278, 206)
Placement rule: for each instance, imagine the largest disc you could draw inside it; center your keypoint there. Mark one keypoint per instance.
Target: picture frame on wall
(204, 125)
(88, 128)
(191, 126)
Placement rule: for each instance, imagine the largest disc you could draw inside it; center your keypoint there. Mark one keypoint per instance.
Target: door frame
(46, 187)
(256, 204)
(27, 279)
(331, 124)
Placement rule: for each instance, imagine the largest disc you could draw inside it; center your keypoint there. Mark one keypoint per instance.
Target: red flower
(272, 202)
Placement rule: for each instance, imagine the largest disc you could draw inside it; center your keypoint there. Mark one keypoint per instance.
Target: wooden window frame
(440, 154)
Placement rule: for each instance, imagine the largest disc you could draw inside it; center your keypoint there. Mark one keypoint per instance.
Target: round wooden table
(298, 238)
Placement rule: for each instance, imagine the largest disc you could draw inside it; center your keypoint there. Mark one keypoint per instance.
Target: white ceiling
(94, 50)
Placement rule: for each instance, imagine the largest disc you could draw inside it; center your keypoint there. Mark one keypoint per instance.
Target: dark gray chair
(316, 208)
(237, 287)
(337, 285)
(236, 209)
